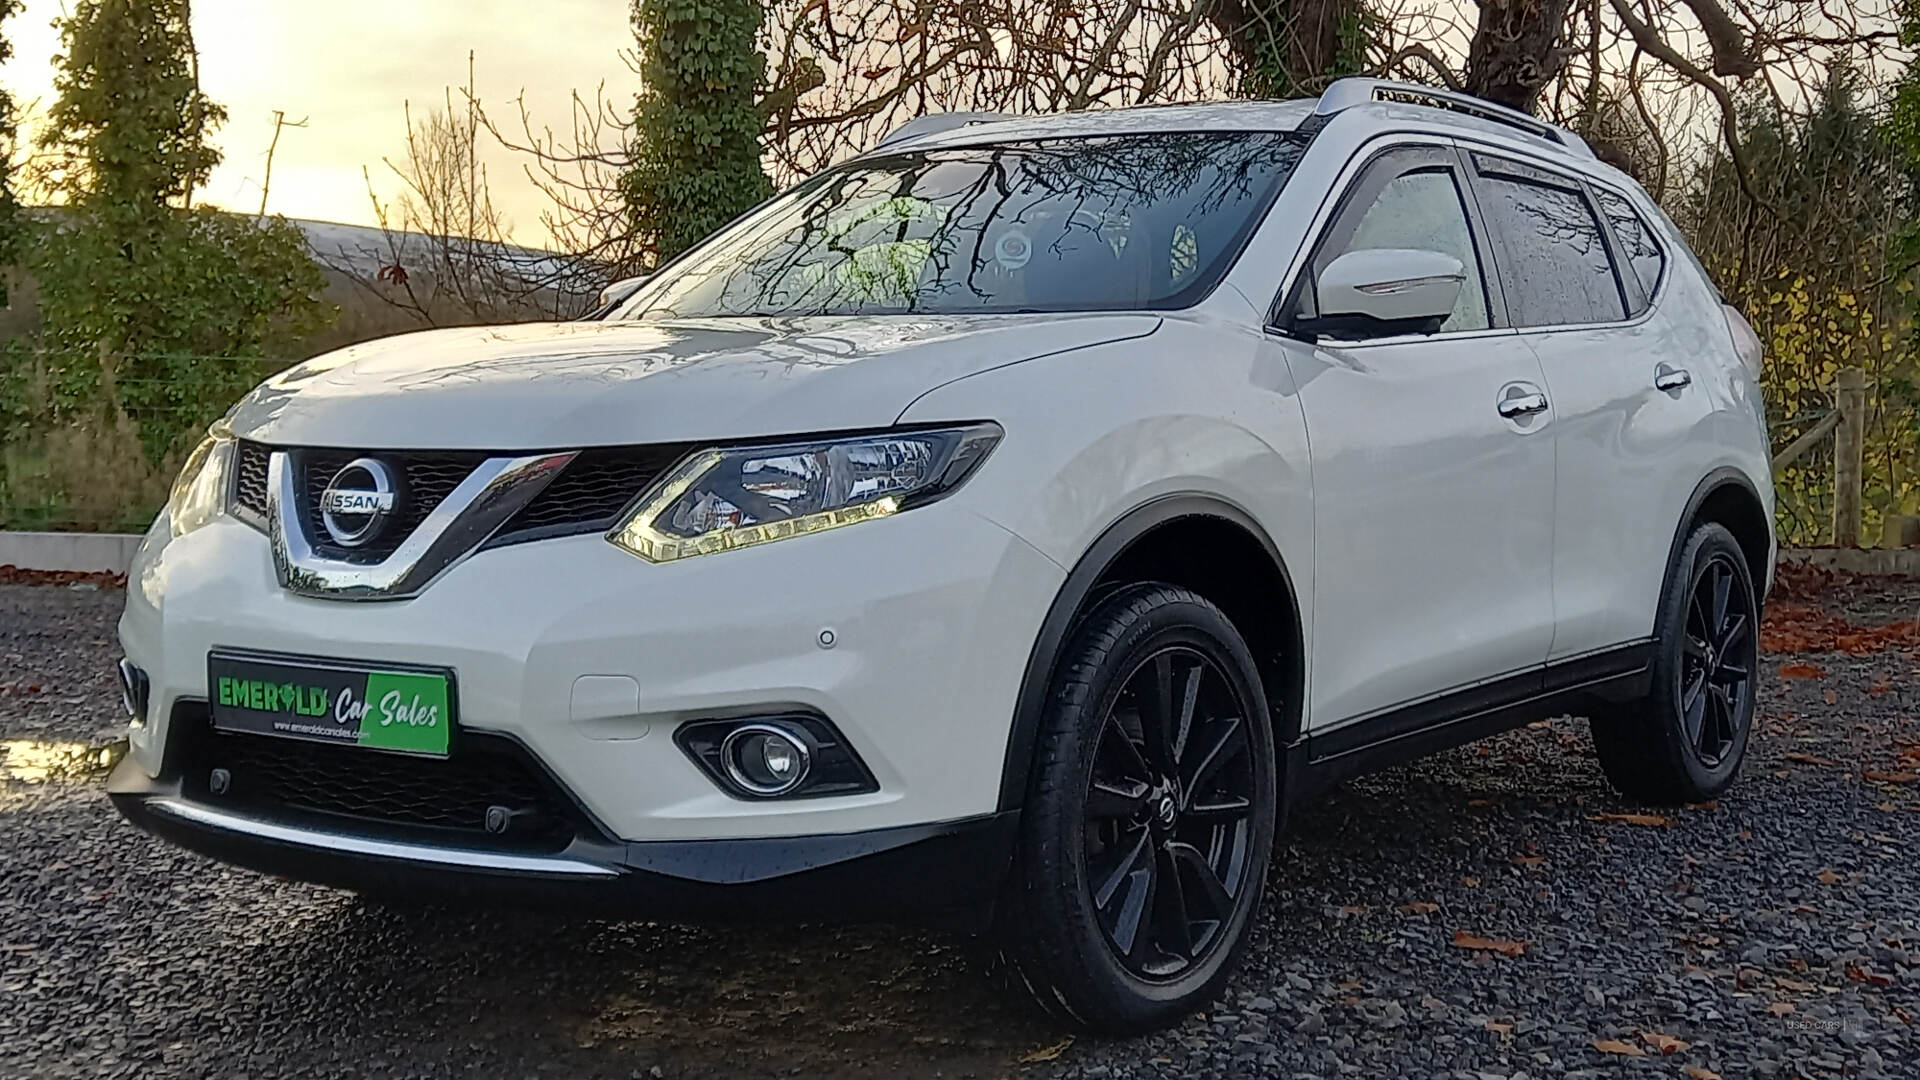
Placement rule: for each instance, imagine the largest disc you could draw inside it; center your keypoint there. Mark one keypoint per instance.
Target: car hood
(556, 385)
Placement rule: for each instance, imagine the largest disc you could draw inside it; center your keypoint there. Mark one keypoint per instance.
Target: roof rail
(1346, 93)
(934, 123)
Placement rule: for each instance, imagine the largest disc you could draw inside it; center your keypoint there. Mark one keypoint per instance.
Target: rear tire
(1149, 817)
(1685, 740)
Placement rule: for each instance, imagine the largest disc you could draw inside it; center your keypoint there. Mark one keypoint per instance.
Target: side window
(1637, 245)
(1421, 209)
(1554, 268)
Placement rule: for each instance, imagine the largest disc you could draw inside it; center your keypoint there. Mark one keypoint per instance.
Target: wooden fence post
(1849, 446)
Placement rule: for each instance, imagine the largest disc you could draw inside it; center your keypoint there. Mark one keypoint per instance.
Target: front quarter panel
(1095, 433)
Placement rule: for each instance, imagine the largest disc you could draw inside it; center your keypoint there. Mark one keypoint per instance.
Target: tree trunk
(1290, 48)
(1514, 53)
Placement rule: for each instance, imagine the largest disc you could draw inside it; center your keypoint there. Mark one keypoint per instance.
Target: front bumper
(933, 615)
(946, 872)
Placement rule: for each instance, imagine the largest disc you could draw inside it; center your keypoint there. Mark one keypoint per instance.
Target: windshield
(1085, 224)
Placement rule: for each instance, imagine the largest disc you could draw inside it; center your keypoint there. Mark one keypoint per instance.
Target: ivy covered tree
(1293, 48)
(160, 313)
(697, 122)
(9, 132)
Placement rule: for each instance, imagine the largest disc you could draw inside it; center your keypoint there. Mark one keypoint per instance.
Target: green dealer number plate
(332, 701)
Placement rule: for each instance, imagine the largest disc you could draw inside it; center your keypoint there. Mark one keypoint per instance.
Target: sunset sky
(349, 67)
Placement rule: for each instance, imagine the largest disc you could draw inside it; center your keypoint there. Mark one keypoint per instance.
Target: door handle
(1523, 405)
(1670, 378)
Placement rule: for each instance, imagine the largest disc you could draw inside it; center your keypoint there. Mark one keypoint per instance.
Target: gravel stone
(123, 956)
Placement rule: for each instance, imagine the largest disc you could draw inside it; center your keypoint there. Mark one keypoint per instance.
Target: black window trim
(1649, 298)
(1440, 153)
(1514, 166)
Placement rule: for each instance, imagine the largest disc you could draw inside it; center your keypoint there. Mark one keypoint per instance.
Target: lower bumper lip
(945, 873)
(346, 844)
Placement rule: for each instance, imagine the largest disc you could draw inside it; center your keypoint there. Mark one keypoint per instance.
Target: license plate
(348, 702)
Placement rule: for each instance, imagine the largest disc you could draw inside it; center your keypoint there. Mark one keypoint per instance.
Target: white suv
(1004, 526)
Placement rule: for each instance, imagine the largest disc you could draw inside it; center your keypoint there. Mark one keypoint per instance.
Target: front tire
(1149, 818)
(1685, 741)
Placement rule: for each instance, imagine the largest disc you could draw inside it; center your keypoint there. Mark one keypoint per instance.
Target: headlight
(727, 498)
(200, 492)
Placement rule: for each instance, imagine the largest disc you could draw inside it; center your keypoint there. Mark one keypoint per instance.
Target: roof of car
(1389, 102)
(969, 128)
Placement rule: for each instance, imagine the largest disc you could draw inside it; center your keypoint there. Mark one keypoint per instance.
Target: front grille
(430, 476)
(250, 477)
(587, 496)
(590, 492)
(405, 796)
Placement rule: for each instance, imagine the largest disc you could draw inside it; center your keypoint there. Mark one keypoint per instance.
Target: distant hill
(441, 281)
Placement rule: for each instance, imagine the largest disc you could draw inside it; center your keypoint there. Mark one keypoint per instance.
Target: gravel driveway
(1487, 913)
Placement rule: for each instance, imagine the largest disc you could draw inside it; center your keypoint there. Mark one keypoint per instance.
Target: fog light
(764, 759)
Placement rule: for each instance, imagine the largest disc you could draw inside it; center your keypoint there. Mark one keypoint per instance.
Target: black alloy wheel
(1148, 820)
(1685, 739)
(1169, 799)
(1716, 666)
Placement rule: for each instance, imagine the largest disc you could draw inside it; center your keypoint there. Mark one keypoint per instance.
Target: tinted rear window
(1637, 245)
(1554, 266)
(1125, 222)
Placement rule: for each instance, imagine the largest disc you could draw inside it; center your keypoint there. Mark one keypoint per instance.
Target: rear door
(1585, 279)
(1433, 531)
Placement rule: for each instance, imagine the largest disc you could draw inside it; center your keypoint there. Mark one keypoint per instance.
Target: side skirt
(1320, 760)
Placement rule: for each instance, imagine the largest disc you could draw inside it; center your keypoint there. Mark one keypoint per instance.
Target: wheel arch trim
(1071, 600)
(1719, 479)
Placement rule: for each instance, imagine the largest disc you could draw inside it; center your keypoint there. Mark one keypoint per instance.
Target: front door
(1433, 479)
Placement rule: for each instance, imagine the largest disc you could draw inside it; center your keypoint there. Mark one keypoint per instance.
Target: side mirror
(1385, 291)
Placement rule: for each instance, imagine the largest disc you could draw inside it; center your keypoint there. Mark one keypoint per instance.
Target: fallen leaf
(1046, 1053)
(1795, 985)
(1660, 820)
(1529, 861)
(1469, 882)
(1833, 697)
(1710, 804)
(1885, 807)
(1420, 907)
(1780, 1008)
(1807, 759)
(1891, 777)
(1695, 1072)
(1615, 1046)
(1503, 946)
(1666, 1044)
(1801, 671)
(1499, 1028)
(1353, 909)
(1828, 877)
(1862, 975)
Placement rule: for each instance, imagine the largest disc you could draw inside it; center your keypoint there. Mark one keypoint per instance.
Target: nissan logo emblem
(358, 501)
